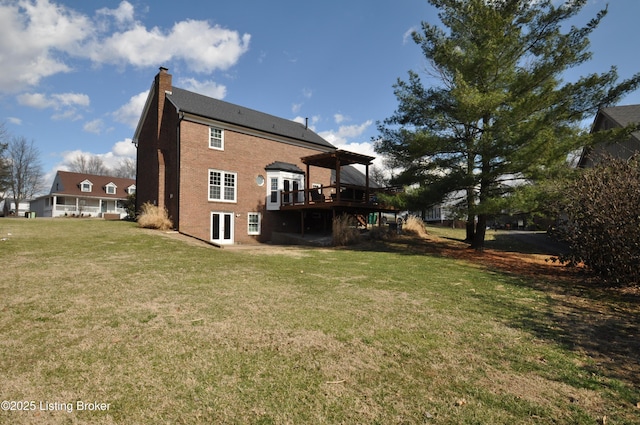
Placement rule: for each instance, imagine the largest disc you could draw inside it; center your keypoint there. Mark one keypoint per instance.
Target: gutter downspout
(178, 173)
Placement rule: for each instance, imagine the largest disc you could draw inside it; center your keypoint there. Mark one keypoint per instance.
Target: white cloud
(130, 112)
(123, 14)
(296, 107)
(14, 120)
(35, 35)
(95, 126)
(408, 35)
(65, 104)
(343, 139)
(54, 101)
(204, 48)
(39, 37)
(339, 118)
(124, 148)
(345, 132)
(67, 115)
(36, 100)
(207, 88)
(70, 99)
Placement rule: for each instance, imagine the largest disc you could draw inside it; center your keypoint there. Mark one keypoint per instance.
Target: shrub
(344, 230)
(601, 220)
(129, 205)
(414, 226)
(154, 217)
(381, 233)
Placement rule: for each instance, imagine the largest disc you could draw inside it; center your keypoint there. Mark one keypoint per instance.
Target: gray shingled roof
(623, 115)
(351, 175)
(283, 166)
(219, 110)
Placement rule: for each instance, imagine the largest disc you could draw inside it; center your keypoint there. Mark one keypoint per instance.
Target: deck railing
(320, 195)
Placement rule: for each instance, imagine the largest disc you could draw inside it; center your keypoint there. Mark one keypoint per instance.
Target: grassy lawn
(167, 331)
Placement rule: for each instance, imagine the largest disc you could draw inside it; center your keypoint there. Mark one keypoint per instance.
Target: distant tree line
(93, 164)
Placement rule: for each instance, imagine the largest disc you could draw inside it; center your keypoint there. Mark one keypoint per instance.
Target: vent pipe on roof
(306, 123)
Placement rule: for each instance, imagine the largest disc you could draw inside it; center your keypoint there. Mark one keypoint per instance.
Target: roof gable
(226, 112)
(622, 115)
(606, 119)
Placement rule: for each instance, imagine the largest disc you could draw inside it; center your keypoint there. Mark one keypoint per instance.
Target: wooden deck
(348, 199)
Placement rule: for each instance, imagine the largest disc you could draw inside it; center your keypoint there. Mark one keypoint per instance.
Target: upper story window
(222, 186)
(110, 189)
(131, 189)
(86, 186)
(216, 138)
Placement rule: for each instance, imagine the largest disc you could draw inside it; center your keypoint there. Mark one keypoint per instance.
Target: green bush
(601, 220)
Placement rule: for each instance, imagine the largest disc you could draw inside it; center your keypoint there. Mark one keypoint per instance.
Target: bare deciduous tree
(5, 172)
(126, 169)
(25, 178)
(88, 164)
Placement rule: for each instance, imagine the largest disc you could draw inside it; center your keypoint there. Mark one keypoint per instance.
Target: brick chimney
(163, 84)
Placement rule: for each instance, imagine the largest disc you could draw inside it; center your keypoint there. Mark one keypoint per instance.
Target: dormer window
(86, 186)
(131, 189)
(110, 189)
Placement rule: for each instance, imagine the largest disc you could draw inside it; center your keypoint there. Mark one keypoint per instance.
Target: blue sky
(75, 73)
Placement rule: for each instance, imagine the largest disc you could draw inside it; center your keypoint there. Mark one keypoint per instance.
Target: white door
(222, 227)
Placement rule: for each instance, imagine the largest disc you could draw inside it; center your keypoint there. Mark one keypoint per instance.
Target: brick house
(229, 174)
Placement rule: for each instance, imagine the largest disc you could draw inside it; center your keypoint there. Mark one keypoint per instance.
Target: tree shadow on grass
(583, 315)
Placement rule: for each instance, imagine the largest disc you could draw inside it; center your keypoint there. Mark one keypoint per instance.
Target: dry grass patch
(154, 217)
(344, 230)
(414, 226)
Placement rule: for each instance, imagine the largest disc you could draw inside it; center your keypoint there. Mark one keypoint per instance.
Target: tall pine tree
(498, 110)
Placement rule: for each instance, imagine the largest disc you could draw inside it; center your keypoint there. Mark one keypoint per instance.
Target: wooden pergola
(346, 197)
(335, 161)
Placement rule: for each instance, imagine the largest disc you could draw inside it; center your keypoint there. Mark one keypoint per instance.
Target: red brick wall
(247, 156)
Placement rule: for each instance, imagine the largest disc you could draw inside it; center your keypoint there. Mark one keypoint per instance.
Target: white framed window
(110, 189)
(253, 223)
(285, 187)
(86, 186)
(273, 192)
(222, 186)
(216, 138)
(131, 189)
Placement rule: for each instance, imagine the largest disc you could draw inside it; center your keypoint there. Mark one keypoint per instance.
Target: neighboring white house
(84, 195)
(8, 207)
(444, 212)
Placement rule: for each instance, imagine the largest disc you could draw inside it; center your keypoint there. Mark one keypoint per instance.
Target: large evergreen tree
(497, 109)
